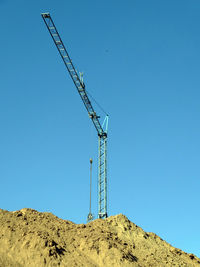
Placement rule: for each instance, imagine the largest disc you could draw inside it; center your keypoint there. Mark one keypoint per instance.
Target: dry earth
(34, 239)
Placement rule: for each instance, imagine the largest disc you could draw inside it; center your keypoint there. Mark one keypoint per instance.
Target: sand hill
(34, 239)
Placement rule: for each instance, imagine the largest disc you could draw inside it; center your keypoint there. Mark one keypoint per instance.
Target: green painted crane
(100, 128)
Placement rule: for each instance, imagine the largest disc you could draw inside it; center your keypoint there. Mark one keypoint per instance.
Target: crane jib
(72, 71)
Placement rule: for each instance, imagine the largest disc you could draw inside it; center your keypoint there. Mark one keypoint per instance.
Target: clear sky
(141, 62)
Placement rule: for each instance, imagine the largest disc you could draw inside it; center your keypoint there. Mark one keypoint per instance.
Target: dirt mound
(35, 239)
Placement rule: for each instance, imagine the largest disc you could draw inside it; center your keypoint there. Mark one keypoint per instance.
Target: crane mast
(101, 129)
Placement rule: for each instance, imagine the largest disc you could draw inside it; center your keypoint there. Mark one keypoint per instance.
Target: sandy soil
(34, 239)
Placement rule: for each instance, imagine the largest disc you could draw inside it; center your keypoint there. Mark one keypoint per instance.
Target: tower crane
(100, 128)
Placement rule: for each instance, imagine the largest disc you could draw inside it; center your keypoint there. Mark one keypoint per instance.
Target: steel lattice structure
(102, 134)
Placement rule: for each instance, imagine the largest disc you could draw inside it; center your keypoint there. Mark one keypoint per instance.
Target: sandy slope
(31, 238)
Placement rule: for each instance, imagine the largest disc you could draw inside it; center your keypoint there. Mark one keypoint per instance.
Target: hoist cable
(103, 110)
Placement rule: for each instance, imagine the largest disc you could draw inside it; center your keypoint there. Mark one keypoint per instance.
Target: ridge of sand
(36, 239)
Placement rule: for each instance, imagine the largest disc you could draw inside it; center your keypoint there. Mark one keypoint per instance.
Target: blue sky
(141, 63)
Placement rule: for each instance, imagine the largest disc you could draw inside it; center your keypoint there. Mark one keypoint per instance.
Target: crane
(101, 129)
